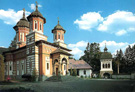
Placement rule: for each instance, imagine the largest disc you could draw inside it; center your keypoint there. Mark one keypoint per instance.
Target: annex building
(31, 51)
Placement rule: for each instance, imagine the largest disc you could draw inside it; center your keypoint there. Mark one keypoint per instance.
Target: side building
(31, 51)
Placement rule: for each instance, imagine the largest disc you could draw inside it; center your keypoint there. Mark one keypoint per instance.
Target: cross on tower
(36, 5)
(23, 12)
(58, 20)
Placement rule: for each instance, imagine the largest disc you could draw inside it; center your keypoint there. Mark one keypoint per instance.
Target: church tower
(58, 35)
(22, 29)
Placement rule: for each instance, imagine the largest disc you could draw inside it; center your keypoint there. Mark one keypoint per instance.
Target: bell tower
(58, 35)
(22, 29)
(36, 21)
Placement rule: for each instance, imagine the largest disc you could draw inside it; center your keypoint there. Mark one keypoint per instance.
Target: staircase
(63, 78)
(54, 78)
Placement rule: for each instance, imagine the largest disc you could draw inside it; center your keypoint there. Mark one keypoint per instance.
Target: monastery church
(31, 51)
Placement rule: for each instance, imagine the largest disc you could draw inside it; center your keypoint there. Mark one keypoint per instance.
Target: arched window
(103, 66)
(20, 36)
(35, 24)
(108, 65)
(58, 35)
(40, 26)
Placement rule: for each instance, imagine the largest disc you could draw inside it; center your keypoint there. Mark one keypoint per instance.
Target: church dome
(36, 13)
(58, 27)
(22, 22)
(106, 55)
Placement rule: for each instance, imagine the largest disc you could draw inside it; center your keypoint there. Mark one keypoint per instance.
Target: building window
(20, 37)
(10, 68)
(59, 36)
(108, 65)
(35, 25)
(47, 66)
(103, 66)
(30, 40)
(84, 71)
(22, 67)
(40, 26)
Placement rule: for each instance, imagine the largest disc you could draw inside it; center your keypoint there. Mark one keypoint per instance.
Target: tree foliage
(92, 55)
(125, 60)
(2, 68)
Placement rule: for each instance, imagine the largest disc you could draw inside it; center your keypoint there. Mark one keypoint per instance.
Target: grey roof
(78, 64)
(58, 27)
(106, 55)
(22, 23)
(36, 13)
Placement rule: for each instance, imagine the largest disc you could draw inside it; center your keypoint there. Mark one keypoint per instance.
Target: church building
(31, 51)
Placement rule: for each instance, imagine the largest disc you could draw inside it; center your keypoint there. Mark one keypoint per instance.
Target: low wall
(132, 76)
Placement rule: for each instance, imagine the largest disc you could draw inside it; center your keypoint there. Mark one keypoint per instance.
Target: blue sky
(103, 21)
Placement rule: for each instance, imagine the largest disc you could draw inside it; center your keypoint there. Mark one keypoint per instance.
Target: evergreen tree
(2, 68)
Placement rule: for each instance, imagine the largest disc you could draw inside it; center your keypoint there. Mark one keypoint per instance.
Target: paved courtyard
(82, 86)
(86, 86)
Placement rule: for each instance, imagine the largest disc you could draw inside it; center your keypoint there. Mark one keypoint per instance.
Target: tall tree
(2, 68)
(92, 56)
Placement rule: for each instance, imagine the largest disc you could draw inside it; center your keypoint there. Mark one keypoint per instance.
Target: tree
(34, 75)
(71, 71)
(2, 68)
(92, 55)
(74, 72)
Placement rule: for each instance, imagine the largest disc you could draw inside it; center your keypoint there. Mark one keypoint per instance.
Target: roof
(58, 27)
(53, 44)
(61, 51)
(23, 22)
(78, 64)
(106, 55)
(36, 13)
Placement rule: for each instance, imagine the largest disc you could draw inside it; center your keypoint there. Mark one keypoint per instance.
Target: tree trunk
(118, 68)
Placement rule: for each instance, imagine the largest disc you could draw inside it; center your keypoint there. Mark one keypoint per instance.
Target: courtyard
(80, 85)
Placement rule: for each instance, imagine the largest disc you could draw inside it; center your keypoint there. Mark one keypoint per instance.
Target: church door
(56, 71)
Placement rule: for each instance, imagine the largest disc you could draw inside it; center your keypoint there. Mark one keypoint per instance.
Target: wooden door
(56, 71)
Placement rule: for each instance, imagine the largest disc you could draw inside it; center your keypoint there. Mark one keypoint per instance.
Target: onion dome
(105, 54)
(36, 13)
(58, 27)
(22, 22)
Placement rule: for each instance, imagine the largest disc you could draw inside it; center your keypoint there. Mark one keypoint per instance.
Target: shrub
(71, 71)
(34, 75)
(27, 76)
(81, 76)
(74, 72)
(2, 68)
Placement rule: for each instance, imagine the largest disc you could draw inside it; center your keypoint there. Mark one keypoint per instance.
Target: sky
(102, 21)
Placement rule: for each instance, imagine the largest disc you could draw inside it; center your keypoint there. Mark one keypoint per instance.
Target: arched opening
(103, 66)
(56, 67)
(106, 75)
(108, 65)
(64, 66)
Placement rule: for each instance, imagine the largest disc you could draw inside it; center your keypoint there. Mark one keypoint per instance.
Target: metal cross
(36, 3)
(58, 20)
(24, 9)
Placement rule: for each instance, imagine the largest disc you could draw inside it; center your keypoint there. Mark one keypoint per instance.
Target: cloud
(119, 23)
(78, 44)
(11, 17)
(33, 6)
(89, 20)
(79, 47)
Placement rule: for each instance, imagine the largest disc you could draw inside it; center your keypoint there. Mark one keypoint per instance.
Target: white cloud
(121, 32)
(89, 20)
(119, 23)
(33, 6)
(11, 17)
(78, 44)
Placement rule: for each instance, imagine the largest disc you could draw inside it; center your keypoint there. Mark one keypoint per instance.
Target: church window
(22, 67)
(10, 68)
(47, 66)
(103, 65)
(84, 71)
(59, 36)
(20, 37)
(40, 26)
(108, 65)
(35, 25)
